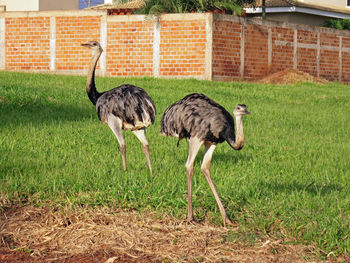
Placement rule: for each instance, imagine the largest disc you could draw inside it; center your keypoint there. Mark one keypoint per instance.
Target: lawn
(291, 179)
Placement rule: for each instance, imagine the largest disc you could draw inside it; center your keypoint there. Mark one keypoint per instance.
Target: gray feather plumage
(196, 115)
(129, 103)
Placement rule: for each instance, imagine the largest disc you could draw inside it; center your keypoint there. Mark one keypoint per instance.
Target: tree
(155, 7)
(342, 24)
(263, 6)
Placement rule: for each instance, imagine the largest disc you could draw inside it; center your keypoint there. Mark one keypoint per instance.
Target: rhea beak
(245, 110)
(85, 45)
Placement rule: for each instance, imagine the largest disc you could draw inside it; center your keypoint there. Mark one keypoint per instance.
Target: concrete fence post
(269, 49)
(52, 43)
(2, 44)
(103, 41)
(295, 49)
(209, 24)
(318, 54)
(156, 47)
(340, 58)
(242, 50)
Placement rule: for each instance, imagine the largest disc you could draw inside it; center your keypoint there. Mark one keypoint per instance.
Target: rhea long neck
(238, 143)
(90, 81)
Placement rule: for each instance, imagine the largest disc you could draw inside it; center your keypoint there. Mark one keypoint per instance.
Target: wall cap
(163, 17)
(55, 13)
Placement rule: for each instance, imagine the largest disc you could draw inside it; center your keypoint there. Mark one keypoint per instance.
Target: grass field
(291, 180)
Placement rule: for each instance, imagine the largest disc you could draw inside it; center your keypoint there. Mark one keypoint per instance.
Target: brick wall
(256, 51)
(307, 52)
(227, 49)
(282, 49)
(267, 47)
(71, 31)
(130, 48)
(202, 46)
(329, 58)
(182, 48)
(27, 44)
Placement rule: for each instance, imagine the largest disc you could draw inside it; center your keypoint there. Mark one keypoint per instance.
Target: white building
(309, 12)
(329, 3)
(39, 5)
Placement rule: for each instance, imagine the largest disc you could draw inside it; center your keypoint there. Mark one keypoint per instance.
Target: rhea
(203, 122)
(126, 107)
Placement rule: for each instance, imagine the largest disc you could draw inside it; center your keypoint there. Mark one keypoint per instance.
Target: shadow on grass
(41, 113)
(232, 157)
(312, 188)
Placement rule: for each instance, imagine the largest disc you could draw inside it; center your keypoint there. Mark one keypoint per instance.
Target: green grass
(291, 180)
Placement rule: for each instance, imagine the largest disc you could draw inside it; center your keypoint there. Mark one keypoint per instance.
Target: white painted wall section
(156, 45)
(2, 44)
(103, 42)
(52, 43)
(20, 5)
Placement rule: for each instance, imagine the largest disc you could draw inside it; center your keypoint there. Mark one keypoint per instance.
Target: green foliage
(155, 7)
(290, 180)
(341, 24)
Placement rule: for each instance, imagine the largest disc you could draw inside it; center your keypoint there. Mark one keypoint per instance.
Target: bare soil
(291, 76)
(40, 234)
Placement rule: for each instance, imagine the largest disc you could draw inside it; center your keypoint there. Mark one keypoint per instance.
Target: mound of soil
(291, 76)
(32, 234)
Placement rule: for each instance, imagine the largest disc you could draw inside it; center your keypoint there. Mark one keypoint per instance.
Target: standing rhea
(203, 121)
(126, 107)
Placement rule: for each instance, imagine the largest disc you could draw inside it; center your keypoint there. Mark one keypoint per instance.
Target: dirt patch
(31, 234)
(291, 76)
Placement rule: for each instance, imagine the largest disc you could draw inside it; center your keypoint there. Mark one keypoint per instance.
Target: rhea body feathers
(129, 103)
(126, 107)
(196, 115)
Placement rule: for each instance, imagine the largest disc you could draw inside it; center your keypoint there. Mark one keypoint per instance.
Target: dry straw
(59, 235)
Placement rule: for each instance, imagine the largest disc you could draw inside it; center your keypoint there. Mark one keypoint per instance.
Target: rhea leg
(140, 134)
(194, 145)
(209, 150)
(116, 126)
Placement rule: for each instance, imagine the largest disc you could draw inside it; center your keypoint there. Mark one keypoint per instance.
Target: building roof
(132, 5)
(298, 3)
(276, 3)
(280, 6)
(329, 8)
